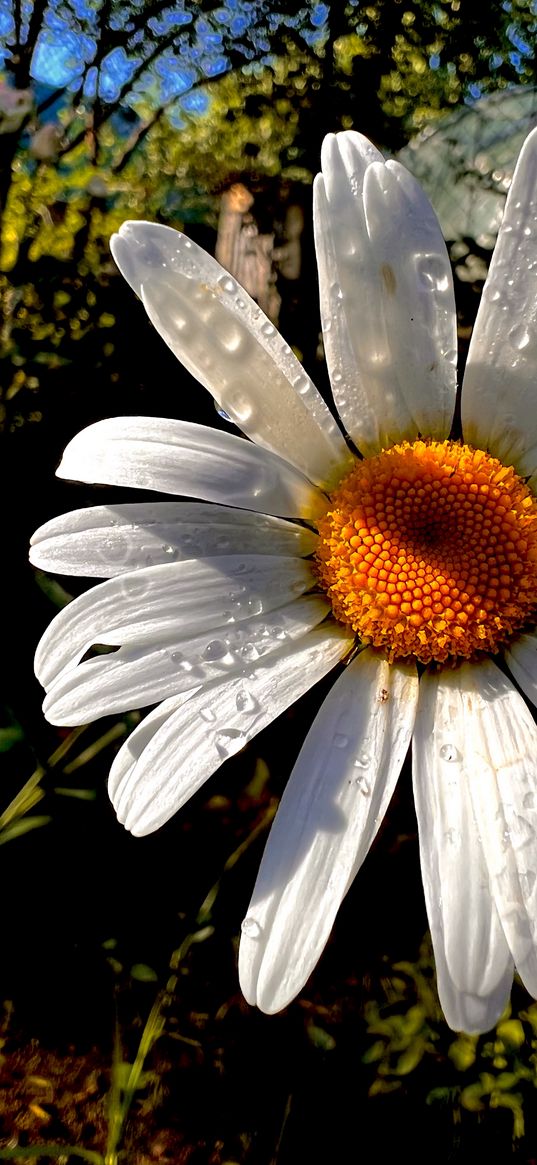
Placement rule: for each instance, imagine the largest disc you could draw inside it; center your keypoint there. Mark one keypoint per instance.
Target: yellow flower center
(430, 549)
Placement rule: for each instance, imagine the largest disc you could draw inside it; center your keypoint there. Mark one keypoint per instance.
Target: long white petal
(178, 457)
(473, 962)
(136, 676)
(226, 341)
(102, 541)
(332, 807)
(213, 725)
(161, 603)
(387, 302)
(521, 658)
(499, 398)
(492, 738)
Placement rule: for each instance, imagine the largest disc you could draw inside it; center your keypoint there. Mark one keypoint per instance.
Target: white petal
(102, 541)
(473, 962)
(521, 658)
(130, 752)
(493, 739)
(161, 603)
(499, 399)
(226, 341)
(136, 676)
(387, 302)
(215, 723)
(330, 812)
(181, 458)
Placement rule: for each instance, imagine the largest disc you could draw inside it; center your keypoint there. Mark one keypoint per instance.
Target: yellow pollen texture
(430, 549)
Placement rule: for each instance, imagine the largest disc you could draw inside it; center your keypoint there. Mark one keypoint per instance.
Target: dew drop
(448, 752)
(222, 412)
(365, 788)
(229, 742)
(241, 408)
(170, 550)
(301, 384)
(519, 337)
(340, 740)
(176, 656)
(251, 928)
(249, 651)
(431, 272)
(245, 701)
(255, 606)
(208, 715)
(362, 760)
(216, 649)
(268, 329)
(227, 284)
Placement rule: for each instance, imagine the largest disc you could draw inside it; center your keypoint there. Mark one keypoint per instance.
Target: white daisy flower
(419, 550)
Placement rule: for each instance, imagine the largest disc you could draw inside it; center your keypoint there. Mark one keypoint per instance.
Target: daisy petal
(473, 962)
(521, 659)
(131, 751)
(102, 541)
(181, 458)
(189, 297)
(216, 722)
(330, 812)
(136, 676)
(387, 301)
(499, 394)
(161, 603)
(492, 739)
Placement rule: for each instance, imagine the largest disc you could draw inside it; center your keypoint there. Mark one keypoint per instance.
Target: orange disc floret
(430, 549)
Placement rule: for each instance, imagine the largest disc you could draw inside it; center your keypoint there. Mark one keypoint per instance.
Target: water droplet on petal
(251, 928)
(268, 329)
(362, 760)
(249, 651)
(227, 284)
(340, 741)
(222, 412)
(519, 337)
(216, 649)
(301, 384)
(240, 407)
(448, 752)
(229, 742)
(245, 701)
(208, 715)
